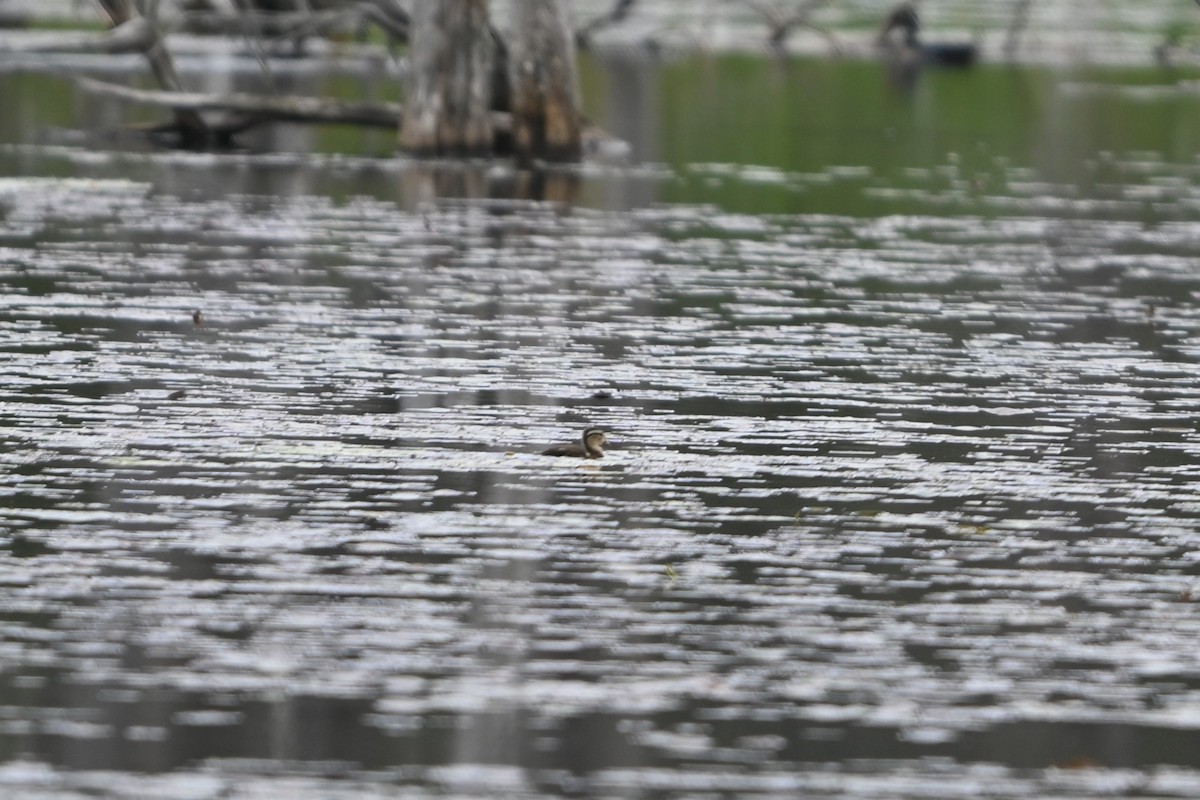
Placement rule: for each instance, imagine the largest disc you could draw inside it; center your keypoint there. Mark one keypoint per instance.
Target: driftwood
(132, 32)
(279, 108)
(255, 109)
(134, 36)
(193, 129)
(247, 110)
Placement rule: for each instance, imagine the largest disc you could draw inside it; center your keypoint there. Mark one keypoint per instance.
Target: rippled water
(896, 506)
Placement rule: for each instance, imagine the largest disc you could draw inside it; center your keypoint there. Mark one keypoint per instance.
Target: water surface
(901, 501)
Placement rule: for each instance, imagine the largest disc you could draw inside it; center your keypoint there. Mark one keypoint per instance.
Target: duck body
(899, 40)
(950, 54)
(590, 445)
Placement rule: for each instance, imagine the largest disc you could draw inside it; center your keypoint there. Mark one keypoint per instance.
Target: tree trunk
(447, 110)
(547, 122)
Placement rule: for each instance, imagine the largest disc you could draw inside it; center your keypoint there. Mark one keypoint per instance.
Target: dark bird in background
(900, 42)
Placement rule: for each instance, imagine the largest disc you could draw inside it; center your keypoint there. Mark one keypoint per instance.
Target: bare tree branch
(134, 36)
(296, 25)
(277, 108)
(616, 14)
(131, 33)
(781, 24)
(269, 108)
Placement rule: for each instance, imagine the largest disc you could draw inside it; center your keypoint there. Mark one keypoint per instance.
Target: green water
(808, 117)
(826, 131)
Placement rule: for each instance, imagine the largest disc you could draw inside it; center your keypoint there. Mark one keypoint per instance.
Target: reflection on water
(901, 499)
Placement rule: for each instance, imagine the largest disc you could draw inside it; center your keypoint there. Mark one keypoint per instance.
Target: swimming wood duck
(899, 39)
(590, 445)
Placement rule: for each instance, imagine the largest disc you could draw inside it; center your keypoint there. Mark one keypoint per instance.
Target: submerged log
(254, 109)
(450, 83)
(547, 122)
(259, 108)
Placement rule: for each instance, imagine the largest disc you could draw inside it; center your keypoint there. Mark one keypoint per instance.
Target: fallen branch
(131, 33)
(271, 108)
(278, 108)
(134, 36)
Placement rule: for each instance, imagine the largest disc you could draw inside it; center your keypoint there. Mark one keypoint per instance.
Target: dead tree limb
(118, 11)
(134, 36)
(615, 15)
(781, 24)
(253, 109)
(193, 130)
(257, 108)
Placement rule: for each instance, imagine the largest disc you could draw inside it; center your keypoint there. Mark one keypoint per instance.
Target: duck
(898, 38)
(590, 445)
